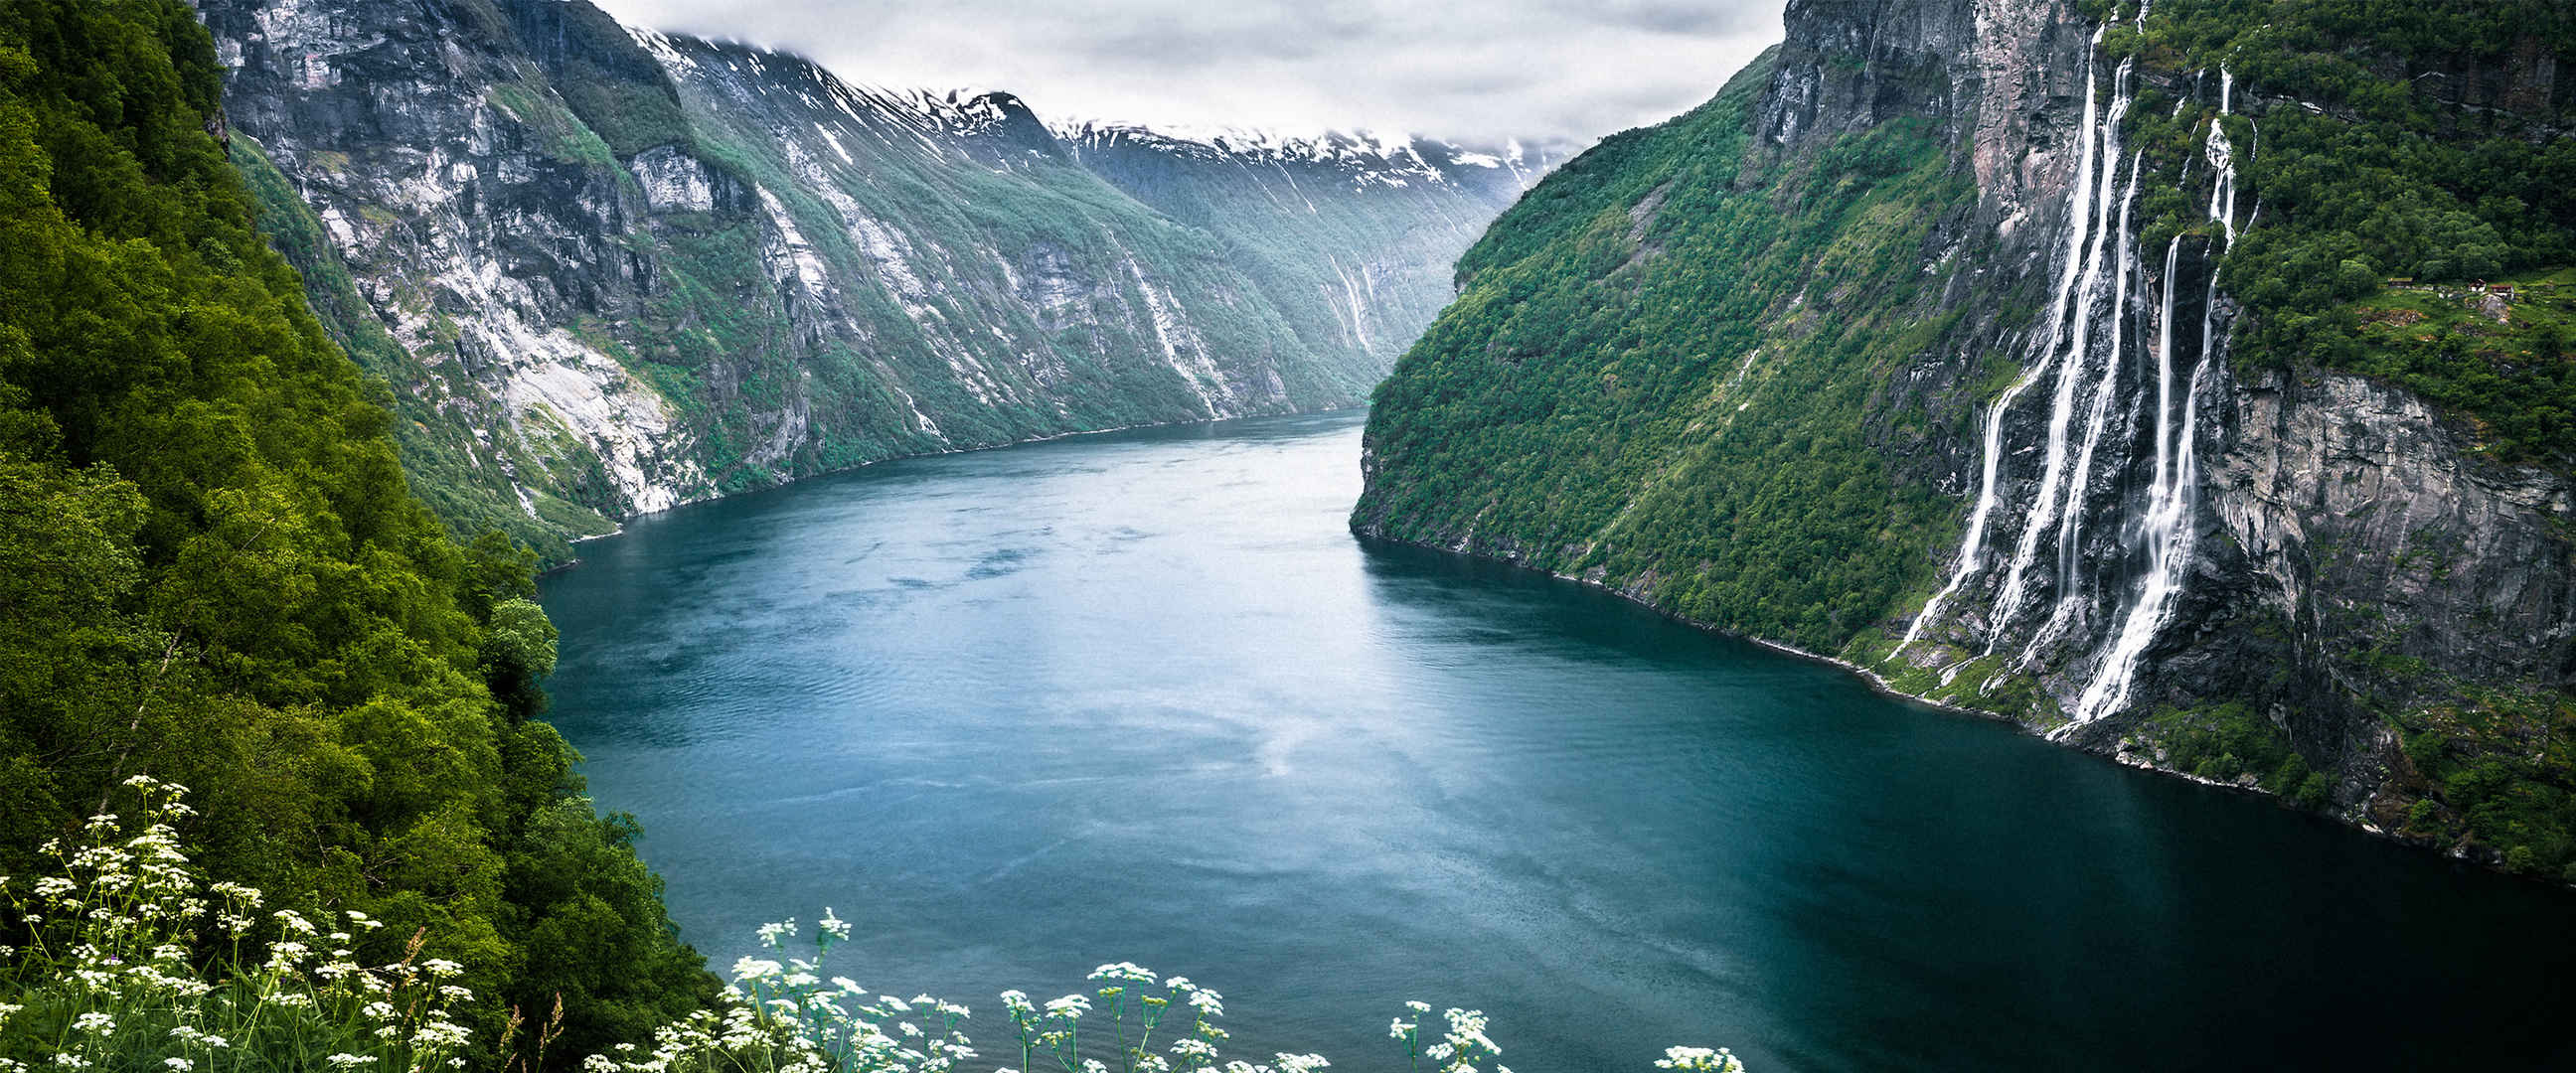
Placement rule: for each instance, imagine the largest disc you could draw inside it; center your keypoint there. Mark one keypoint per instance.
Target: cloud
(1533, 69)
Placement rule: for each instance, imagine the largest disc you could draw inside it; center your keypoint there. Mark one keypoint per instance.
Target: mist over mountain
(1552, 70)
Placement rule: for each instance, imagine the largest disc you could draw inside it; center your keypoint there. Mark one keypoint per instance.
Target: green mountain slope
(610, 272)
(2139, 373)
(1633, 386)
(216, 575)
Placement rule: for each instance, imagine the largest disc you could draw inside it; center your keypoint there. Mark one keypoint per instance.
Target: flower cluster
(1700, 1060)
(109, 978)
(783, 1016)
(1464, 1048)
(116, 975)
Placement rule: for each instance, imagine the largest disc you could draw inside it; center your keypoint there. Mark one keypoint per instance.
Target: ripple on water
(1143, 697)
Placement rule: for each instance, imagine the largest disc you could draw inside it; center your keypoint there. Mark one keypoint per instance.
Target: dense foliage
(2230, 743)
(109, 977)
(216, 574)
(1661, 373)
(2390, 140)
(2406, 159)
(1673, 368)
(2495, 771)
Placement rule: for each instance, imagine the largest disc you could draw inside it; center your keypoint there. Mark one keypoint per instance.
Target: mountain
(609, 271)
(2142, 373)
(1370, 225)
(213, 574)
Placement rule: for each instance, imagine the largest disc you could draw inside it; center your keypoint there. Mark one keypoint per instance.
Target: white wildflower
(440, 1033)
(1124, 970)
(771, 934)
(1700, 1060)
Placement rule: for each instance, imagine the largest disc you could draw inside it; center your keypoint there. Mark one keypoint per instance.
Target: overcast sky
(1483, 69)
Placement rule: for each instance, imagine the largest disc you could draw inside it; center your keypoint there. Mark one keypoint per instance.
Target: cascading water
(2084, 359)
(2080, 209)
(2168, 521)
(2102, 247)
(2070, 521)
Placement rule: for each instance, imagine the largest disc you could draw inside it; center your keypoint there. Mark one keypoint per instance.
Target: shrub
(114, 973)
(135, 959)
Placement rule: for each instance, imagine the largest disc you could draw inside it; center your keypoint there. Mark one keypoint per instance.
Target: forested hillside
(213, 572)
(607, 271)
(1649, 385)
(2190, 382)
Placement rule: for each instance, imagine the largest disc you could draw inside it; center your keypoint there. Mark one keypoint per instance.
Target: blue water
(1143, 697)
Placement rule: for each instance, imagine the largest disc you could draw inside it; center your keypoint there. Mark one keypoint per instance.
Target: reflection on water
(1142, 697)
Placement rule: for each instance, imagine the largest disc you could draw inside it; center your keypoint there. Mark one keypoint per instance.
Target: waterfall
(2168, 521)
(2087, 414)
(2061, 417)
(2070, 521)
(2164, 370)
(2079, 210)
(1972, 548)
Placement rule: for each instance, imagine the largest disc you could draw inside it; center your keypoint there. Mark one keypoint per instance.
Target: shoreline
(1880, 685)
(576, 542)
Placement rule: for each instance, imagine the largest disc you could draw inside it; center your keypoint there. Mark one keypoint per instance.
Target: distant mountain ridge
(1361, 157)
(608, 270)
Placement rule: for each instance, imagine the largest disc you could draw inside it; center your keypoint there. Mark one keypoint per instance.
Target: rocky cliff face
(1384, 273)
(609, 272)
(2073, 503)
(2151, 526)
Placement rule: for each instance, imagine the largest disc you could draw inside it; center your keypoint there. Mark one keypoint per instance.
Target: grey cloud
(1546, 69)
(1684, 17)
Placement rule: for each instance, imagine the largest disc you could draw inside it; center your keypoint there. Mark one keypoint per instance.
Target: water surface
(1142, 697)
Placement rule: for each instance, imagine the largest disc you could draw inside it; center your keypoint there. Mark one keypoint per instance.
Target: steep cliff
(211, 573)
(1366, 230)
(611, 271)
(2045, 358)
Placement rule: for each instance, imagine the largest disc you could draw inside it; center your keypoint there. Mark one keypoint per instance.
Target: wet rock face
(2358, 517)
(1853, 63)
(621, 271)
(2155, 531)
(475, 230)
